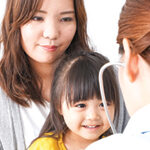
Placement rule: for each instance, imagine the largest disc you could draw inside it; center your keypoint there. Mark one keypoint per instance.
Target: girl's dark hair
(77, 78)
(134, 24)
(17, 78)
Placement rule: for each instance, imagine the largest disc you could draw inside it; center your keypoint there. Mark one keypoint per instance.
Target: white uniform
(135, 137)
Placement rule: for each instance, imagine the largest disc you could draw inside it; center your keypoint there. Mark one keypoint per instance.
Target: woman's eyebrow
(61, 13)
(41, 11)
(67, 12)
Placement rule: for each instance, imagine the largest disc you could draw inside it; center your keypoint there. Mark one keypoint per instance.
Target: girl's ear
(131, 61)
(60, 111)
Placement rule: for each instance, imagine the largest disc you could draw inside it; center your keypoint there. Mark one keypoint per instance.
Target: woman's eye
(80, 105)
(66, 19)
(37, 18)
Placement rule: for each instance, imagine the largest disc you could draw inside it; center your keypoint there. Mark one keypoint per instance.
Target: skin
(134, 80)
(47, 36)
(86, 121)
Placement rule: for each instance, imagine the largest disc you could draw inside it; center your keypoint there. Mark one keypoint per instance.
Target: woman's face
(49, 33)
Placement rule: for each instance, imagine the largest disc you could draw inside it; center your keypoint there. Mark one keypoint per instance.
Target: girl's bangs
(82, 83)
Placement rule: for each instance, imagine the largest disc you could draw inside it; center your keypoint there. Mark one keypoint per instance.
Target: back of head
(77, 78)
(134, 24)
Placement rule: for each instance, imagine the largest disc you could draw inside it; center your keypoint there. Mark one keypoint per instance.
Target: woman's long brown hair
(134, 24)
(17, 78)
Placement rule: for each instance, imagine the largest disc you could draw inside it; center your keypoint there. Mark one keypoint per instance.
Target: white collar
(139, 122)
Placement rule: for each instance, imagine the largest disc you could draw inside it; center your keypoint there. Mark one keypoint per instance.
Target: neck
(45, 71)
(75, 142)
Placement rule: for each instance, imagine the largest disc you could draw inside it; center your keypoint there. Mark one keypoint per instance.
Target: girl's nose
(93, 114)
(51, 30)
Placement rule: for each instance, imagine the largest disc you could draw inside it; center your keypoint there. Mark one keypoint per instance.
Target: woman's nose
(51, 30)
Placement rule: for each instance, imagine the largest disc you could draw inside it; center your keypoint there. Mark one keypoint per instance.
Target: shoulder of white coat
(119, 141)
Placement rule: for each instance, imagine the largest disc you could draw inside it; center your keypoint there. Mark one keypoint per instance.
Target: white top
(33, 118)
(140, 122)
(136, 135)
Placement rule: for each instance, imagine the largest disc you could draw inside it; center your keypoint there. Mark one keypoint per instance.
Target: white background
(103, 18)
(2, 8)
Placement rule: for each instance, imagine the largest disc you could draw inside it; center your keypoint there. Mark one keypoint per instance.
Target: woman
(35, 34)
(134, 77)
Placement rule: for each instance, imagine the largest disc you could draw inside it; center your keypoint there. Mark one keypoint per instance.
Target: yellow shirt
(48, 143)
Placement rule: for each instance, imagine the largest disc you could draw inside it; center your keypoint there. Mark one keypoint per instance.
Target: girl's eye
(37, 18)
(66, 19)
(102, 105)
(80, 105)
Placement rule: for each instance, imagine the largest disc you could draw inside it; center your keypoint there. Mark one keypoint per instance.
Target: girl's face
(86, 120)
(49, 33)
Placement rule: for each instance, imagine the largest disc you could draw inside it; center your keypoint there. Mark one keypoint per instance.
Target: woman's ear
(131, 61)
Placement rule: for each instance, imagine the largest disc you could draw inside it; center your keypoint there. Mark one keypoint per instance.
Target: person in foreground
(77, 117)
(34, 36)
(134, 77)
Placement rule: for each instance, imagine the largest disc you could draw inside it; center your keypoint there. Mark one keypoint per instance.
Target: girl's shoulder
(48, 143)
(44, 143)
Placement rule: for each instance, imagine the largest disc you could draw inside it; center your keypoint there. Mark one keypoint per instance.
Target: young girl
(77, 116)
